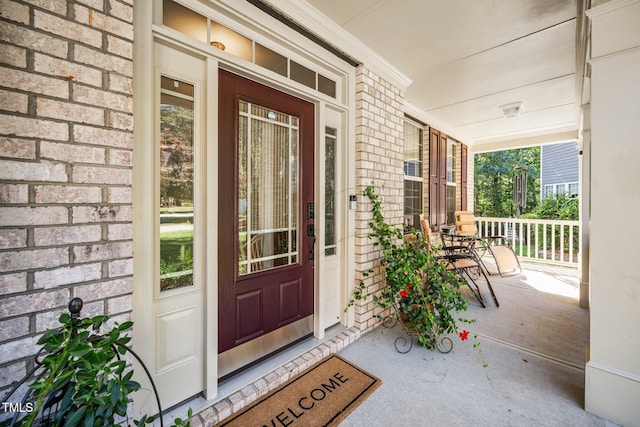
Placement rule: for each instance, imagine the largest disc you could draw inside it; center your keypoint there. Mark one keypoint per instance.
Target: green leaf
(80, 350)
(75, 417)
(125, 326)
(133, 385)
(118, 366)
(97, 321)
(115, 393)
(89, 421)
(127, 376)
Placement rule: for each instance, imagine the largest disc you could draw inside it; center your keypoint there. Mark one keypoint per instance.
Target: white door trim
(211, 267)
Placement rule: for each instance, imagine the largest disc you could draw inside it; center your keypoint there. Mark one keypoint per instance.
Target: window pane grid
(268, 187)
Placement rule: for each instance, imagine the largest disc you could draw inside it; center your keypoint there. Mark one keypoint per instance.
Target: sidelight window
(176, 184)
(330, 191)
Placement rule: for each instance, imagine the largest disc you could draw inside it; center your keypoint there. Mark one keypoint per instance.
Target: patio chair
(464, 261)
(498, 246)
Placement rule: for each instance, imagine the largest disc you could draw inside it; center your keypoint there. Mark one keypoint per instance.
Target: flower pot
(406, 319)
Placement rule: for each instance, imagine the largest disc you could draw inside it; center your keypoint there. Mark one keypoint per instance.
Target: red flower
(408, 287)
(403, 293)
(464, 335)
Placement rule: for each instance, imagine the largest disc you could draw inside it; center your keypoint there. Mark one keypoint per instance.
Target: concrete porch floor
(528, 369)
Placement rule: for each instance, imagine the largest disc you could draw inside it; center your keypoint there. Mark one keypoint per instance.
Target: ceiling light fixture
(218, 45)
(511, 110)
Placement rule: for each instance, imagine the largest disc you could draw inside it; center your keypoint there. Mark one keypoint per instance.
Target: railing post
(539, 236)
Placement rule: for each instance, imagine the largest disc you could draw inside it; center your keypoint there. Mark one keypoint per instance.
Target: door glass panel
(176, 184)
(330, 191)
(267, 189)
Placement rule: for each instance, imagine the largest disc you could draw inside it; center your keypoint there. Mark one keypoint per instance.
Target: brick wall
(379, 162)
(65, 167)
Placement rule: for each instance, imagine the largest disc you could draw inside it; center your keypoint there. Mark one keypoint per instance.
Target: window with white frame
(413, 181)
(568, 188)
(451, 181)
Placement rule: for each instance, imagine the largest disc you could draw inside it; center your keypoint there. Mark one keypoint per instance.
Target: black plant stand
(52, 402)
(403, 345)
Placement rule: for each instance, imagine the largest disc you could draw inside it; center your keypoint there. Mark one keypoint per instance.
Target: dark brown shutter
(437, 178)
(463, 177)
(434, 177)
(442, 195)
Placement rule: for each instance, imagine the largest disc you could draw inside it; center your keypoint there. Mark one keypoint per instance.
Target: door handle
(312, 233)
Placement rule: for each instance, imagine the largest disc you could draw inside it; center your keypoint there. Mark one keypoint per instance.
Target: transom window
(206, 30)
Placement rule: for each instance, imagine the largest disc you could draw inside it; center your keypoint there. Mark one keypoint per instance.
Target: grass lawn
(171, 243)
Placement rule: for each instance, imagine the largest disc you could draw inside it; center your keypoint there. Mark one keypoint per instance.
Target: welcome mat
(323, 395)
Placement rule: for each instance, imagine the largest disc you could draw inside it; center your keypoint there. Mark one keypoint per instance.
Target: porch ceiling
(468, 58)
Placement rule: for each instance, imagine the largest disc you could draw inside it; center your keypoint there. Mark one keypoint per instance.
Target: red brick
(68, 111)
(67, 29)
(50, 194)
(33, 171)
(60, 67)
(103, 290)
(14, 193)
(72, 153)
(36, 128)
(102, 252)
(35, 40)
(45, 279)
(13, 238)
(14, 101)
(19, 216)
(17, 148)
(54, 236)
(97, 175)
(29, 259)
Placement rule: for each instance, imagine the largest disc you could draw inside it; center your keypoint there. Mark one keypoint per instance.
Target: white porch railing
(553, 241)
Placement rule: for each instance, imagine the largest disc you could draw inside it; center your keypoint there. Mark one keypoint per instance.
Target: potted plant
(423, 293)
(82, 377)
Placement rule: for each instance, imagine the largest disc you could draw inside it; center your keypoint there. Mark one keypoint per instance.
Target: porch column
(585, 204)
(612, 375)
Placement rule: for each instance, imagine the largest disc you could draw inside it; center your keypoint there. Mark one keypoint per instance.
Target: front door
(266, 226)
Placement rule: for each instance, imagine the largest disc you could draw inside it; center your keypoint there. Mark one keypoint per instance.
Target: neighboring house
(559, 169)
(129, 179)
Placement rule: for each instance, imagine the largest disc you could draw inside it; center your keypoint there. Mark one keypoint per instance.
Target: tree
(494, 172)
(176, 168)
(557, 206)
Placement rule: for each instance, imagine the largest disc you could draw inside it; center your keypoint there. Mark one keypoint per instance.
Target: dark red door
(266, 149)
